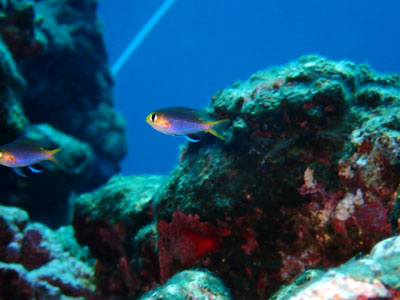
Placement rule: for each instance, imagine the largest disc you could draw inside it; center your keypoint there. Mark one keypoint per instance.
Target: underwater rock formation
(54, 71)
(12, 118)
(34, 264)
(308, 177)
(116, 223)
(190, 285)
(71, 78)
(74, 166)
(374, 276)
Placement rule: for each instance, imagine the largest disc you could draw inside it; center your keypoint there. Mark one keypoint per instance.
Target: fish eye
(153, 117)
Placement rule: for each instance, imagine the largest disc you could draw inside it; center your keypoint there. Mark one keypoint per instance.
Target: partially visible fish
(24, 153)
(184, 121)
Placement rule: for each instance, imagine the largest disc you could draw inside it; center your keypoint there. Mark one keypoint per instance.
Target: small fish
(24, 153)
(183, 121)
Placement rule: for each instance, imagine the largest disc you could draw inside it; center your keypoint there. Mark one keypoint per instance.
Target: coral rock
(370, 277)
(307, 176)
(54, 72)
(190, 285)
(116, 223)
(34, 264)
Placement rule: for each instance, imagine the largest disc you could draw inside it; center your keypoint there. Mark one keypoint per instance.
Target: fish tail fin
(51, 154)
(215, 129)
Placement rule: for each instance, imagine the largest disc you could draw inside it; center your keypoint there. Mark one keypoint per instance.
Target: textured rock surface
(308, 177)
(12, 118)
(116, 223)
(190, 285)
(54, 72)
(374, 276)
(35, 265)
(56, 182)
(71, 79)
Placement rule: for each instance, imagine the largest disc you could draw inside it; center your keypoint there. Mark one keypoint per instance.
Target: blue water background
(202, 46)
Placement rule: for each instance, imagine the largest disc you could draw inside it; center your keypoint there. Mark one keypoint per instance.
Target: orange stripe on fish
(9, 157)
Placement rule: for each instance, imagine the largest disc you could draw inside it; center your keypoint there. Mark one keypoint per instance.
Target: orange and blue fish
(24, 153)
(183, 121)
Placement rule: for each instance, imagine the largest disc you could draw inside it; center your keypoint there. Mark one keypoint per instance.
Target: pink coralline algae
(335, 224)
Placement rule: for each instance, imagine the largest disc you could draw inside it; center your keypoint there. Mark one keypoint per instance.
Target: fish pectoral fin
(18, 171)
(34, 170)
(192, 138)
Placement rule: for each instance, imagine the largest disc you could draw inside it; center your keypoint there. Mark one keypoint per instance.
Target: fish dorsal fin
(203, 115)
(183, 108)
(24, 140)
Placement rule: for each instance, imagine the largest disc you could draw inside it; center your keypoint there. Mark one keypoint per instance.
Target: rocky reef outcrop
(374, 276)
(307, 178)
(37, 263)
(56, 87)
(190, 285)
(116, 223)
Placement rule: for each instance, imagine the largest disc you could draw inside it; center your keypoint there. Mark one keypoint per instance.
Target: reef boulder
(190, 285)
(308, 177)
(54, 72)
(35, 264)
(374, 276)
(116, 222)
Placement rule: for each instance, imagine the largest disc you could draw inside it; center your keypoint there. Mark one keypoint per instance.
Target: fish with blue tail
(183, 121)
(23, 152)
